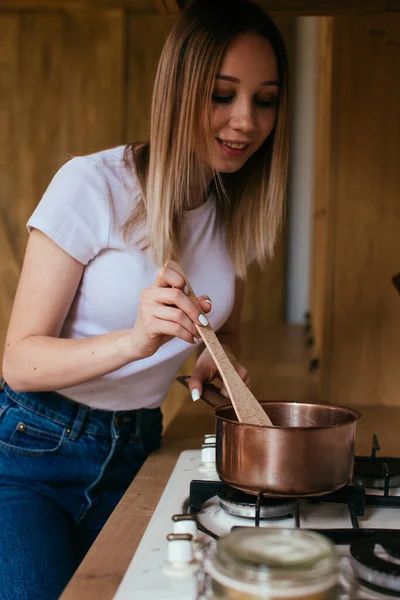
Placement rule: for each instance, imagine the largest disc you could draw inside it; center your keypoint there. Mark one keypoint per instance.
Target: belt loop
(78, 423)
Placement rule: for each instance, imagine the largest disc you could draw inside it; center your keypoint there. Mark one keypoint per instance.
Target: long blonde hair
(250, 202)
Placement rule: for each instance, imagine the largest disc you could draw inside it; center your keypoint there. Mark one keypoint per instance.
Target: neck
(199, 197)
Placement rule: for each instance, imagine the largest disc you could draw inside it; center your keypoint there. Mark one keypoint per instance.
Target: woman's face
(244, 102)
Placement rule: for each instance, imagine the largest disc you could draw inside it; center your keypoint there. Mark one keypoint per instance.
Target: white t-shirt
(83, 211)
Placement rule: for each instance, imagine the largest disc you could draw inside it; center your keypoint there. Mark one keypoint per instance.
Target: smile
(236, 145)
(233, 148)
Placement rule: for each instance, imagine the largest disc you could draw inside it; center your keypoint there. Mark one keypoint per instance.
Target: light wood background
(361, 316)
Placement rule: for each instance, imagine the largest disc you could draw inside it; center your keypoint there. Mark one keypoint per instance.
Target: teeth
(235, 146)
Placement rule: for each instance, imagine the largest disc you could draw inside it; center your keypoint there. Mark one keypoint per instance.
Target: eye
(270, 103)
(221, 99)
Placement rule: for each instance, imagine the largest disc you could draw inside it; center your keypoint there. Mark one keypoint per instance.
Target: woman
(99, 328)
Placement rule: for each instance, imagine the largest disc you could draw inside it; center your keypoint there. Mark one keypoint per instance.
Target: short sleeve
(75, 210)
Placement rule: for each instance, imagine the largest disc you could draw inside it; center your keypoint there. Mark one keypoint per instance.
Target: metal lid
(275, 559)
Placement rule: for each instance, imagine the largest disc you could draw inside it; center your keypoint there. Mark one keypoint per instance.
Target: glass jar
(274, 564)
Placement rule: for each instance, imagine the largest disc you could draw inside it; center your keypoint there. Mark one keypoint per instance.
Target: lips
(232, 148)
(235, 145)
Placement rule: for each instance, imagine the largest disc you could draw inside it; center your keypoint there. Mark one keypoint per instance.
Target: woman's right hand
(166, 312)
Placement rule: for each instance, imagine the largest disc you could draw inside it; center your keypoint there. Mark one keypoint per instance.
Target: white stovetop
(145, 579)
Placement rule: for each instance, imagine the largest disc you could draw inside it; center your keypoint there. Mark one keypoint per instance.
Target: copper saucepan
(309, 451)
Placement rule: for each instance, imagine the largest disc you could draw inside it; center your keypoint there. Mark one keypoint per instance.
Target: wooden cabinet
(357, 217)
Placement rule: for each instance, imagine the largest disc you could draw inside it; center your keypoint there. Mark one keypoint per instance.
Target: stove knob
(180, 549)
(208, 455)
(185, 524)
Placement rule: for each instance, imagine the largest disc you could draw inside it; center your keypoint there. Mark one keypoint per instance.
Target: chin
(224, 168)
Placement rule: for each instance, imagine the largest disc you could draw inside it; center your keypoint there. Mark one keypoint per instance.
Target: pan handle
(211, 394)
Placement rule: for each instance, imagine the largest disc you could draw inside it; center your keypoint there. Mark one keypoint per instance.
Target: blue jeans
(63, 469)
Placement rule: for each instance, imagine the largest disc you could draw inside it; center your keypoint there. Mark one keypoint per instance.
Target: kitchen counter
(100, 573)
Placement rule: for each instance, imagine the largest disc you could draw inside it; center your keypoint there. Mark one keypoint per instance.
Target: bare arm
(36, 359)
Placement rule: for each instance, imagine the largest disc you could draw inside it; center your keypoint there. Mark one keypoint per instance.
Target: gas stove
(196, 509)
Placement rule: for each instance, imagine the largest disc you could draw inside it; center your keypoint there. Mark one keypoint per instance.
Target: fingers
(176, 298)
(169, 278)
(174, 315)
(205, 304)
(205, 370)
(195, 387)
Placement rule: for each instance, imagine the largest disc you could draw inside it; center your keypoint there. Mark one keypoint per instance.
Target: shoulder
(116, 169)
(115, 165)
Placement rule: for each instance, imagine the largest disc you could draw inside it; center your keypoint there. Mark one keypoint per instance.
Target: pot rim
(344, 409)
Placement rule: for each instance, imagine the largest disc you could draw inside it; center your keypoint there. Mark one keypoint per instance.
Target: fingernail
(195, 394)
(208, 301)
(203, 320)
(186, 290)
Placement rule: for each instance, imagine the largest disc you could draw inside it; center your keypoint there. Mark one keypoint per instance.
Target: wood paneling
(322, 188)
(323, 7)
(94, 83)
(62, 92)
(167, 7)
(138, 6)
(311, 7)
(365, 316)
(142, 64)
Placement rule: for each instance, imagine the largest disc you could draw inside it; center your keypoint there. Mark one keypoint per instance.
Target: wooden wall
(361, 338)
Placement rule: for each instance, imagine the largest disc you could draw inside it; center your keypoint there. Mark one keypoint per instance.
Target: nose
(243, 117)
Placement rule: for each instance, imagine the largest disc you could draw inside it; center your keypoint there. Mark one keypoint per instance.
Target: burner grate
(376, 561)
(240, 504)
(377, 472)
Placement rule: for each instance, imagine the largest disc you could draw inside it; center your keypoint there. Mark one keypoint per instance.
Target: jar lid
(275, 559)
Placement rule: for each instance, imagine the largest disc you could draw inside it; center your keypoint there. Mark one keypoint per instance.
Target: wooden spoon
(247, 407)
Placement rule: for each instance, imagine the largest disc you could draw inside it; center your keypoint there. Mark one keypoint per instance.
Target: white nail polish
(203, 320)
(195, 394)
(208, 301)
(186, 290)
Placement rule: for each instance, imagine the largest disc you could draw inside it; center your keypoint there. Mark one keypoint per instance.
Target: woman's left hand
(206, 370)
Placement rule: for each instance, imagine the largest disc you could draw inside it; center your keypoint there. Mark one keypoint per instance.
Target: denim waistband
(75, 416)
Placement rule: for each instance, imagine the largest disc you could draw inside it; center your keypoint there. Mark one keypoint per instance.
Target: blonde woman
(99, 327)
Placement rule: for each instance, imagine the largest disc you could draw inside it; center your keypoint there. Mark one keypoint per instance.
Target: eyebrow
(236, 80)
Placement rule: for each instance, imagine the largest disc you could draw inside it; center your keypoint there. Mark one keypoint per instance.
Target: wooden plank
(167, 7)
(322, 191)
(93, 106)
(70, 97)
(323, 7)
(143, 57)
(311, 7)
(139, 6)
(61, 93)
(365, 309)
